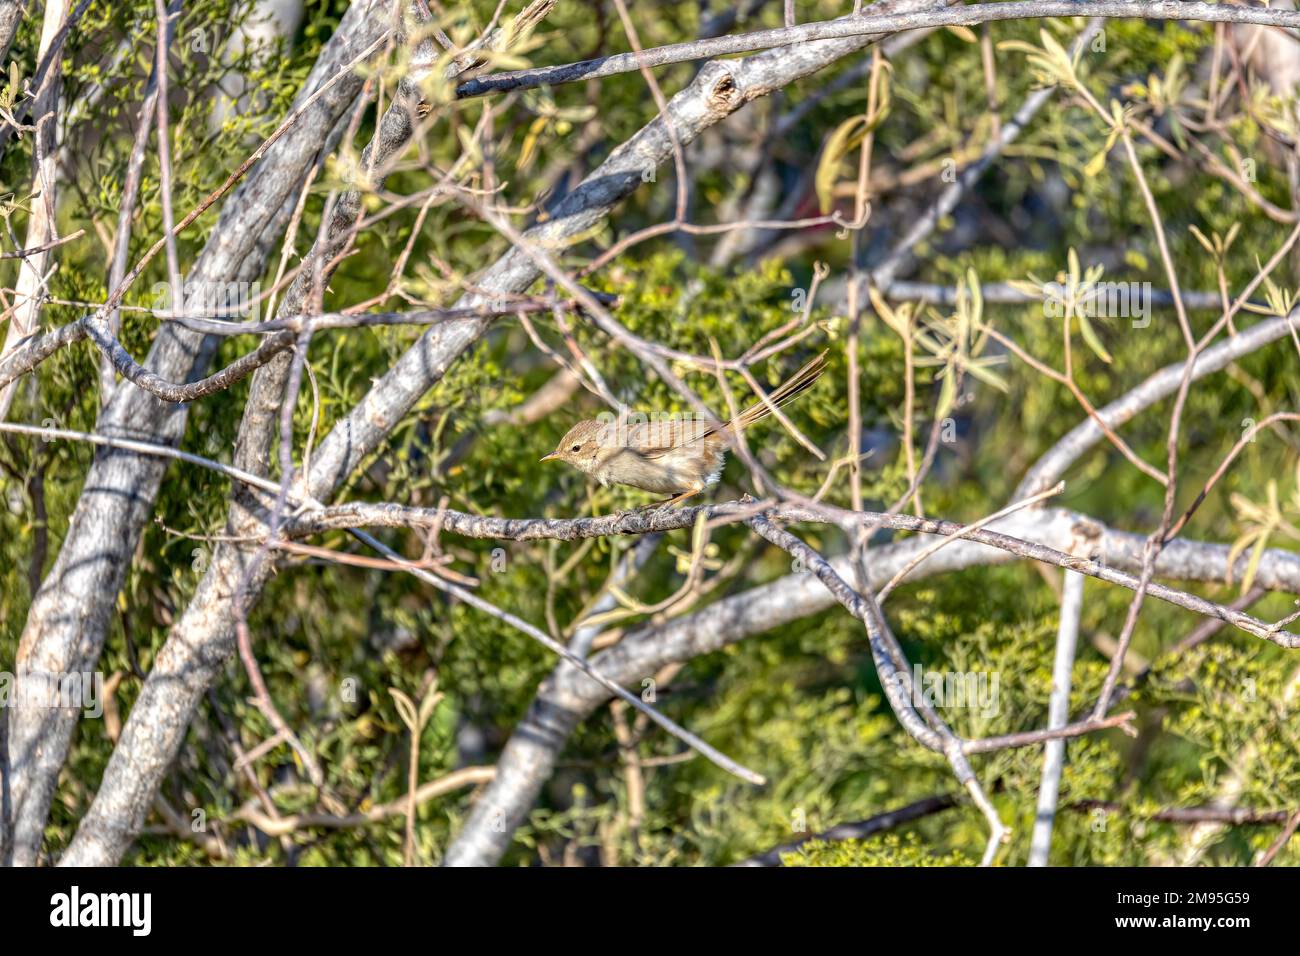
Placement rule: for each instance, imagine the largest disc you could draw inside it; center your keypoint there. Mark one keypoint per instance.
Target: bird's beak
(554, 454)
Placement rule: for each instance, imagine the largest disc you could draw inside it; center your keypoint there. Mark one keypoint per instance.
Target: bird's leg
(677, 498)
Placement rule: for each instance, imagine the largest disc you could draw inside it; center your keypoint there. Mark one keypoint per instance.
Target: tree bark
(41, 227)
(68, 619)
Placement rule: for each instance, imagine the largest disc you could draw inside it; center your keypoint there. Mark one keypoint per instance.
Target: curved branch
(1052, 466)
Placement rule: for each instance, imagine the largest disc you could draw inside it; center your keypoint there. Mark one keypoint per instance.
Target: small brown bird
(675, 456)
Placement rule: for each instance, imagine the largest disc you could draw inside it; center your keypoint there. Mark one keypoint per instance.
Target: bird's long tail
(792, 388)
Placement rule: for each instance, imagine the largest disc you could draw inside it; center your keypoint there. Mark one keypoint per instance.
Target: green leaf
(1094, 343)
(1095, 165)
(847, 135)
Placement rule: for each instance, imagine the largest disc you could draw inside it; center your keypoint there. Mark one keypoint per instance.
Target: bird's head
(580, 446)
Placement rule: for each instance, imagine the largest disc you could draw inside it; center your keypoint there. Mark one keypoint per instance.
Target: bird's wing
(654, 439)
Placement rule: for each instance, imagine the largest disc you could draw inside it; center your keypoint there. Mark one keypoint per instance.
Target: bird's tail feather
(792, 388)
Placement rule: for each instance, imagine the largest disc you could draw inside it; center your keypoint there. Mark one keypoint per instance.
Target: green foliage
(889, 850)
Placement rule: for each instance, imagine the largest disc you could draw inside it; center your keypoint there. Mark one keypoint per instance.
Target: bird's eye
(576, 448)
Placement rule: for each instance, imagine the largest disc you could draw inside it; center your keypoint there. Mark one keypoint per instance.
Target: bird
(679, 456)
